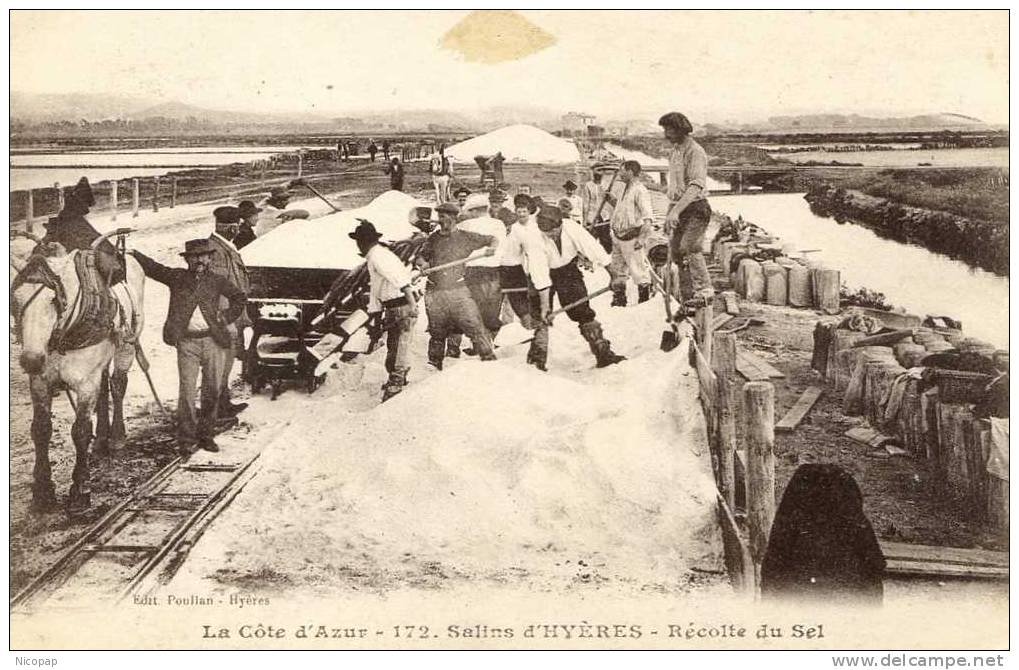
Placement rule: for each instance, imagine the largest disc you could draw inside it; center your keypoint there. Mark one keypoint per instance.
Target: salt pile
(323, 243)
(519, 144)
(487, 473)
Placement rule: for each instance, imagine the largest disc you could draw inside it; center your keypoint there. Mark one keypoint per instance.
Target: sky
(716, 66)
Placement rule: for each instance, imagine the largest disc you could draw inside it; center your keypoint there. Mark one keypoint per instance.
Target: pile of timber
(924, 412)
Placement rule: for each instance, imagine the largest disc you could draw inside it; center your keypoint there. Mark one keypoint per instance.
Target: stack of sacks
(799, 286)
(909, 353)
(750, 279)
(775, 283)
(868, 361)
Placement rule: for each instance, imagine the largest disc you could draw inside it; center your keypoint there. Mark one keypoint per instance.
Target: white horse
(45, 297)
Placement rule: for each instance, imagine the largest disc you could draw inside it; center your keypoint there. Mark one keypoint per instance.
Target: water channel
(911, 277)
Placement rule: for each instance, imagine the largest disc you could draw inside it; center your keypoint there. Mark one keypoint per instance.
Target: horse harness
(89, 319)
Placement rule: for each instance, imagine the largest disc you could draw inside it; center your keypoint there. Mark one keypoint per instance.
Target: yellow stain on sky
(495, 36)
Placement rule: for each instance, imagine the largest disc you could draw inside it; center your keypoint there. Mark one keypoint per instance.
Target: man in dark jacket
(199, 329)
(227, 261)
(72, 231)
(395, 171)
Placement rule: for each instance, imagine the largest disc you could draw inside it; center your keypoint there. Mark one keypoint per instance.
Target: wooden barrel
(826, 290)
(775, 284)
(751, 279)
(799, 286)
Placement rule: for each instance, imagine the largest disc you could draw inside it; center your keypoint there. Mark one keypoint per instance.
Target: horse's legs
(102, 447)
(79, 499)
(122, 361)
(43, 495)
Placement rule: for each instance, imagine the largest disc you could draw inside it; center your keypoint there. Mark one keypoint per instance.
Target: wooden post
(30, 212)
(136, 196)
(724, 365)
(724, 358)
(759, 431)
(60, 196)
(707, 332)
(155, 194)
(113, 199)
(173, 192)
(826, 297)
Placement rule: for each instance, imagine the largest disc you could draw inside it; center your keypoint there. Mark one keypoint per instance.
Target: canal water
(989, 157)
(911, 277)
(41, 170)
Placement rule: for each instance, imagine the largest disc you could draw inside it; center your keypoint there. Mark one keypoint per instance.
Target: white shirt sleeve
(586, 244)
(388, 268)
(645, 210)
(537, 260)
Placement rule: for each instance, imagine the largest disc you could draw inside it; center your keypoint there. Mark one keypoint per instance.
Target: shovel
(305, 184)
(670, 336)
(576, 303)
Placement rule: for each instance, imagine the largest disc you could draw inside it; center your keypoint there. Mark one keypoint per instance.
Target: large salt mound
(323, 243)
(518, 144)
(488, 473)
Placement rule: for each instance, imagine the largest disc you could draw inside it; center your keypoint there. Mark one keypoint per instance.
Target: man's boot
(436, 352)
(618, 298)
(453, 346)
(643, 293)
(397, 380)
(537, 355)
(600, 347)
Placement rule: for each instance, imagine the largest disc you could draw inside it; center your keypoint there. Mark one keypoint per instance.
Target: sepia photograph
(510, 329)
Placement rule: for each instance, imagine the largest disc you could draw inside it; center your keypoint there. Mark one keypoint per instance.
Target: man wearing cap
(274, 211)
(198, 327)
(421, 218)
(482, 275)
(246, 227)
(689, 212)
(227, 262)
(460, 195)
(524, 274)
(394, 169)
(497, 203)
(72, 230)
(392, 295)
(563, 241)
(448, 301)
(632, 218)
(576, 202)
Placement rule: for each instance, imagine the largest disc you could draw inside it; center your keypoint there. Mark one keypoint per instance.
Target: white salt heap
(486, 473)
(519, 144)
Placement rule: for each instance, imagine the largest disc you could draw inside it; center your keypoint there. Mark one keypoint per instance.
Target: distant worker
(482, 275)
(391, 301)
(439, 168)
(274, 211)
(448, 301)
(461, 195)
(198, 326)
(385, 152)
(497, 203)
(632, 218)
(395, 171)
(227, 262)
(246, 228)
(576, 202)
(563, 242)
(689, 212)
(496, 164)
(372, 149)
(595, 212)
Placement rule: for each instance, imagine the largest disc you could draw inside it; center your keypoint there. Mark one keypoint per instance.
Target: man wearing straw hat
(199, 328)
(391, 294)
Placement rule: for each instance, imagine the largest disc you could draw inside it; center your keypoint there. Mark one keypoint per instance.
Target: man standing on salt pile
(482, 275)
(274, 211)
(227, 262)
(199, 328)
(391, 293)
(563, 241)
(448, 301)
(689, 212)
(524, 276)
(631, 222)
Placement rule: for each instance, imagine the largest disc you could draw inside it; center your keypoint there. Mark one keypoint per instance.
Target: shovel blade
(670, 340)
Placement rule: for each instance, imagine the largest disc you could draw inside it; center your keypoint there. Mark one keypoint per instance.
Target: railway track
(140, 543)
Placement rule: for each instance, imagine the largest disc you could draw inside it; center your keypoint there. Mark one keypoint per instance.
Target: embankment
(980, 243)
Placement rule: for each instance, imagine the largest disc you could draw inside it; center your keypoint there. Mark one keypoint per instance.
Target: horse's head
(38, 302)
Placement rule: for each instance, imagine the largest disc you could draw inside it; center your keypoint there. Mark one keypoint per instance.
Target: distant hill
(46, 107)
(181, 111)
(857, 122)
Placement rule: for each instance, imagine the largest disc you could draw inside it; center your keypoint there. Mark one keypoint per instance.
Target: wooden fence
(743, 461)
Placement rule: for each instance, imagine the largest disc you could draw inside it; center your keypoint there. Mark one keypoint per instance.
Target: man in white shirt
(563, 240)
(576, 202)
(482, 275)
(392, 294)
(632, 217)
(524, 273)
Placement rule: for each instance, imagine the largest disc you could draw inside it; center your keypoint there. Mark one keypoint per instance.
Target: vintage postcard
(509, 329)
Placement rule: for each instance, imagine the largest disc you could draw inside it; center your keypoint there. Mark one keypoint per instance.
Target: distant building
(576, 123)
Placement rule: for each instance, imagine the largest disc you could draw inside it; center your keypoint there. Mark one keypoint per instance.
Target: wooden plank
(720, 320)
(796, 413)
(738, 561)
(927, 569)
(902, 551)
(751, 359)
